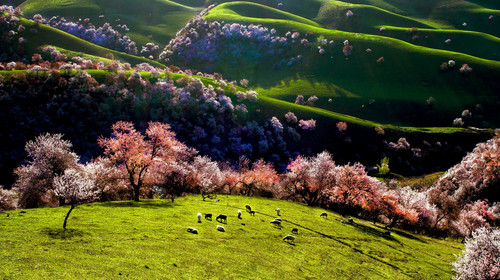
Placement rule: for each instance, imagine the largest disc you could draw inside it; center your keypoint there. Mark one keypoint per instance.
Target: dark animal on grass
(252, 213)
(249, 209)
(387, 234)
(221, 218)
(208, 216)
(192, 230)
(295, 230)
(324, 214)
(289, 238)
(350, 221)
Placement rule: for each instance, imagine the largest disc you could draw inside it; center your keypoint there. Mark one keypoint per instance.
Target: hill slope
(47, 35)
(149, 21)
(148, 240)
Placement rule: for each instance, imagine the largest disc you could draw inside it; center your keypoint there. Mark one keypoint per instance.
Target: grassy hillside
(400, 86)
(451, 13)
(47, 35)
(148, 240)
(148, 21)
(408, 77)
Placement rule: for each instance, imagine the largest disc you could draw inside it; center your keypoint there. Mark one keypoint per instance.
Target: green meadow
(149, 240)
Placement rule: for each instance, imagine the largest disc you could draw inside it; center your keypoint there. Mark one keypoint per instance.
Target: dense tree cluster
(12, 46)
(203, 43)
(467, 195)
(80, 107)
(138, 164)
(104, 35)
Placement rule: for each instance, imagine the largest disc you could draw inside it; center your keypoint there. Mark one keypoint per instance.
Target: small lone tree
(48, 157)
(74, 189)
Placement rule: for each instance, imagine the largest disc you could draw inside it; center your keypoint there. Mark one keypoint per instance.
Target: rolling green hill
(149, 21)
(148, 240)
(47, 35)
(409, 75)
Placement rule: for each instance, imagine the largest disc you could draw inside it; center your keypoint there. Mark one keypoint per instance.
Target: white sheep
(199, 217)
(290, 238)
(324, 214)
(276, 223)
(278, 212)
(278, 219)
(221, 228)
(192, 230)
(239, 214)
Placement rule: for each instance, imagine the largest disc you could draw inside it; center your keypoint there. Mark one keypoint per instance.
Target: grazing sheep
(276, 223)
(239, 214)
(324, 214)
(192, 230)
(278, 212)
(295, 230)
(290, 238)
(249, 209)
(252, 213)
(221, 228)
(208, 216)
(199, 217)
(278, 219)
(221, 218)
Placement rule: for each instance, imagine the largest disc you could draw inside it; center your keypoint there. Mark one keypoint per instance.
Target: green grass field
(148, 240)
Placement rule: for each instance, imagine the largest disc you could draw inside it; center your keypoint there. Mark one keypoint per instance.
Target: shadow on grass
(60, 233)
(141, 204)
(384, 233)
(344, 243)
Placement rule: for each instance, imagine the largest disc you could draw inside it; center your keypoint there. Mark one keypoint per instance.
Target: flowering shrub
(481, 256)
(307, 124)
(8, 199)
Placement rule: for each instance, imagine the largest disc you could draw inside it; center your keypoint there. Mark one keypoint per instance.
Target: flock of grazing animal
(222, 218)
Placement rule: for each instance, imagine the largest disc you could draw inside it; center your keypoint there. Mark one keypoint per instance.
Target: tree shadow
(62, 234)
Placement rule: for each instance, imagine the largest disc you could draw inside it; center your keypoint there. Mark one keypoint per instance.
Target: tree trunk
(67, 215)
(136, 192)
